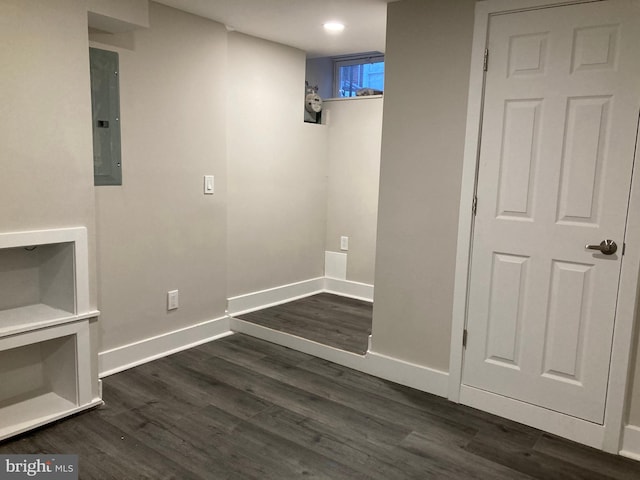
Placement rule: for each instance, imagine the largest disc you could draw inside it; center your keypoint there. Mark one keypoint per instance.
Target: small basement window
(105, 107)
(356, 72)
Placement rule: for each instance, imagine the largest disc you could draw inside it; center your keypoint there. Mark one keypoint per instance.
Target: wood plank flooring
(339, 322)
(242, 408)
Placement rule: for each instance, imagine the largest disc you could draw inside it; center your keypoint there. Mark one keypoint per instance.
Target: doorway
(557, 143)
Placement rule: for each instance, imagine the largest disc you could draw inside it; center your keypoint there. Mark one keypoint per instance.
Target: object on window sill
(363, 92)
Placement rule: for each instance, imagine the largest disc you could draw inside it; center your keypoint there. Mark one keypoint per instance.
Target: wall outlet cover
(172, 300)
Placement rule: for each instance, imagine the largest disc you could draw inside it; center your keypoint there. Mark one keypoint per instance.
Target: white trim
(134, 354)
(347, 288)
(626, 311)
(392, 369)
(631, 442)
(143, 351)
(609, 436)
(271, 297)
(342, 99)
(565, 426)
(274, 296)
(406, 373)
(373, 363)
(465, 218)
(332, 354)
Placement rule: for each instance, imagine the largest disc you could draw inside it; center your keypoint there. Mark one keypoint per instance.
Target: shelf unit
(48, 365)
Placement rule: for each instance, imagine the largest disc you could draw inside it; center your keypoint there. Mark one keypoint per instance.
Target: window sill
(342, 99)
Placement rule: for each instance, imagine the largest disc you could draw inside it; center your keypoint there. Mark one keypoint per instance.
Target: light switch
(208, 185)
(172, 300)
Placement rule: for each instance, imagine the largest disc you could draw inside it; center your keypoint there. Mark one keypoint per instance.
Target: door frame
(608, 436)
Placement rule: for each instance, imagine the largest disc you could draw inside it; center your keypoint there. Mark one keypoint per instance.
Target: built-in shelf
(21, 319)
(38, 410)
(39, 406)
(48, 365)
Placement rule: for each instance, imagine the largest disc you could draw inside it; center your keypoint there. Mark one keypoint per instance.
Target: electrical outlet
(172, 300)
(344, 243)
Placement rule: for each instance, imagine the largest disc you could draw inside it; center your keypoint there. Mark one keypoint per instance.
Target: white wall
(427, 80)
(158, 232)
(118, 15)
(45, 119)
(277, 169)
(354, 137)
(319, 71)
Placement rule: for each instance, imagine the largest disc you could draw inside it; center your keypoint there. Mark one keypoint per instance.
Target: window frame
(350, 60)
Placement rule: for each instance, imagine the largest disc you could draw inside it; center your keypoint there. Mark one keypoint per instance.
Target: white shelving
(29, 317)
(33, 411)
(48, 365)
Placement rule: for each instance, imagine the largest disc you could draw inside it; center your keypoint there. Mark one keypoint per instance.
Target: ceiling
(298, 23)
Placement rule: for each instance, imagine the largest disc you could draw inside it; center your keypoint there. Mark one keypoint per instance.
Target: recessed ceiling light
(334, 27)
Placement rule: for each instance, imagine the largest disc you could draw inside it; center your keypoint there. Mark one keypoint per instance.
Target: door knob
(606, 247)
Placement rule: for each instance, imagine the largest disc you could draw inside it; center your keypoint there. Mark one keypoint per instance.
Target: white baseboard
(128, 356)
(392, 369)
(631, 442)
(559, 424)
(347, 288)
(412, 375)
(137, 353)
(274, 296)
(348, 359)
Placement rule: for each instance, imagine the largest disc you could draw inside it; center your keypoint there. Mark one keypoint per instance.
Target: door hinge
(624, 247)
(485, 65)
(474, 205)
(464, 338)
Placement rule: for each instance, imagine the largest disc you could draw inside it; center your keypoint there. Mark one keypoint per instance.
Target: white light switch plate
(172, 300)
(208, 184)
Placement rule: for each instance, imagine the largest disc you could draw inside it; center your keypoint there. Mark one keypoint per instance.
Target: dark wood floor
(340, 322)
(242, 408)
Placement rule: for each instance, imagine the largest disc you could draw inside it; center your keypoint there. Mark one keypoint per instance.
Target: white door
(559, 128)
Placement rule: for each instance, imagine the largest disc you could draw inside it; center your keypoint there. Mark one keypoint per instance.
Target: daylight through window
(356, 73)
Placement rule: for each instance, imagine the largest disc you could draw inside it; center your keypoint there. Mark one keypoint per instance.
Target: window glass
(356, 73)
